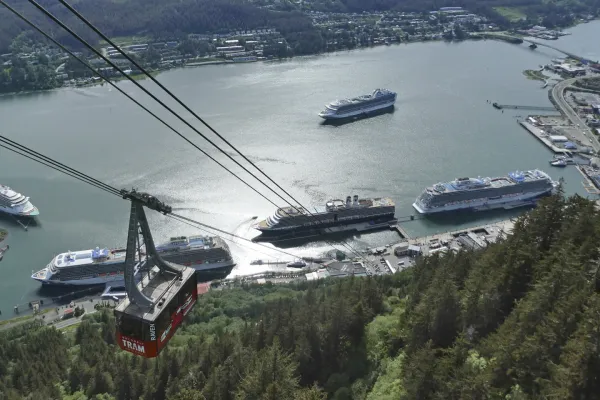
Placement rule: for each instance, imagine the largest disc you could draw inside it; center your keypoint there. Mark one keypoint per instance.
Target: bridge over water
(570, 55)
(537, 43)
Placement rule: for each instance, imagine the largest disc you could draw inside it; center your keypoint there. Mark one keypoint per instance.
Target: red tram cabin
(146, 333)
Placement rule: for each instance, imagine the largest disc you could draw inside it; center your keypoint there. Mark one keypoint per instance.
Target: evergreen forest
(174, 19)
(519, 320)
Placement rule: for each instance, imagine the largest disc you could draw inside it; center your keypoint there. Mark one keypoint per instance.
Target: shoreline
(475, 36)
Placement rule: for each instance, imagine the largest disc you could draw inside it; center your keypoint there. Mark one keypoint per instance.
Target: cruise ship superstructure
(514, 190)
(15, 203)
(209, 256)
(366, 104)
(338, 216)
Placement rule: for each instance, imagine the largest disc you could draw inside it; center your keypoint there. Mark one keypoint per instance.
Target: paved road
(53, 317)
(558, 94)
(71, 321)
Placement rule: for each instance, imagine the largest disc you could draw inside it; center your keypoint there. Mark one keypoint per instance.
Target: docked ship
(209, 256)
(16, 204)
(514, 190)
(337, 216)
(379, 100)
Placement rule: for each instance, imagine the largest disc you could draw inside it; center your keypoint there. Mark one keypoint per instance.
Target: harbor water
(443, 127)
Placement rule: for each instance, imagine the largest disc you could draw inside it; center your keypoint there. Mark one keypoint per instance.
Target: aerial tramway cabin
(146, 331)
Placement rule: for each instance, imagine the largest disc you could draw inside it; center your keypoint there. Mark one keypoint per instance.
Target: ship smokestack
(355, 200)
(348, 201)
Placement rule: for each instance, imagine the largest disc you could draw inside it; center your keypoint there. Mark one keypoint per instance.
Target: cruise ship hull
(369, 110)
(359, 225)
(521, 200)
(32, 213)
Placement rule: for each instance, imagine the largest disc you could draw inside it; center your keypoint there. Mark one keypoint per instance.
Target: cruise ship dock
(404, 253)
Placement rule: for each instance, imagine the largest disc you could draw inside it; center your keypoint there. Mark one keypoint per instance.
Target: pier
(542, 137)
(516, 107)
(591, 178)
(400, 230)
(403, 254)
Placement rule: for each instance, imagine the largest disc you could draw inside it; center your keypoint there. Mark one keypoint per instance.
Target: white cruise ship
(515, 190)
(209, 256)
(15, 203)
(364, 105)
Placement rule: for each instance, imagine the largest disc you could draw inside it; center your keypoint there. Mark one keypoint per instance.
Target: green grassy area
(535, 75)
(3, 234)
(23, 318)
(511, 13)
(127, 40)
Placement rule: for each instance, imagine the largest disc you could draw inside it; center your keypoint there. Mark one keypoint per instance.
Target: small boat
(533, 46)
(255, 217)
(297, 264)
(560, 162)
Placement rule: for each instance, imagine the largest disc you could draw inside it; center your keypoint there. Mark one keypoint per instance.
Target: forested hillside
(520, 320)
(175, 18)
(159, 18)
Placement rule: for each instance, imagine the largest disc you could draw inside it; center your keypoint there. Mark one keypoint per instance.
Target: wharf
(402, 255)
(591, 178)
(385, 260)
(542, 136)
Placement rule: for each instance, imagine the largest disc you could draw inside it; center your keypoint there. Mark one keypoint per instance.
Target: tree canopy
(170, 19)
(518, 320)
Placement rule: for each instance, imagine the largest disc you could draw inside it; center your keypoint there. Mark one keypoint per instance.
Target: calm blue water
(442, 128)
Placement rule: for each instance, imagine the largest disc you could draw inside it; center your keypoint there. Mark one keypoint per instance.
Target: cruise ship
(15, 203)
(514, 190)
(337, 216)
(380, 99)
(209, 256)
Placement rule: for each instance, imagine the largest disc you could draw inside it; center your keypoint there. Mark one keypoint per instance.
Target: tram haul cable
(136, 83)
(85, 43)
(197, 224)
(99, 54)
(107, 80)
(47, 161)
(54, 164)
(49, 165)
(157, 303)
(187, 108)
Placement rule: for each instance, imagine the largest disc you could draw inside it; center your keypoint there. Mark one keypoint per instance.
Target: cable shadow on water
(348, 120)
